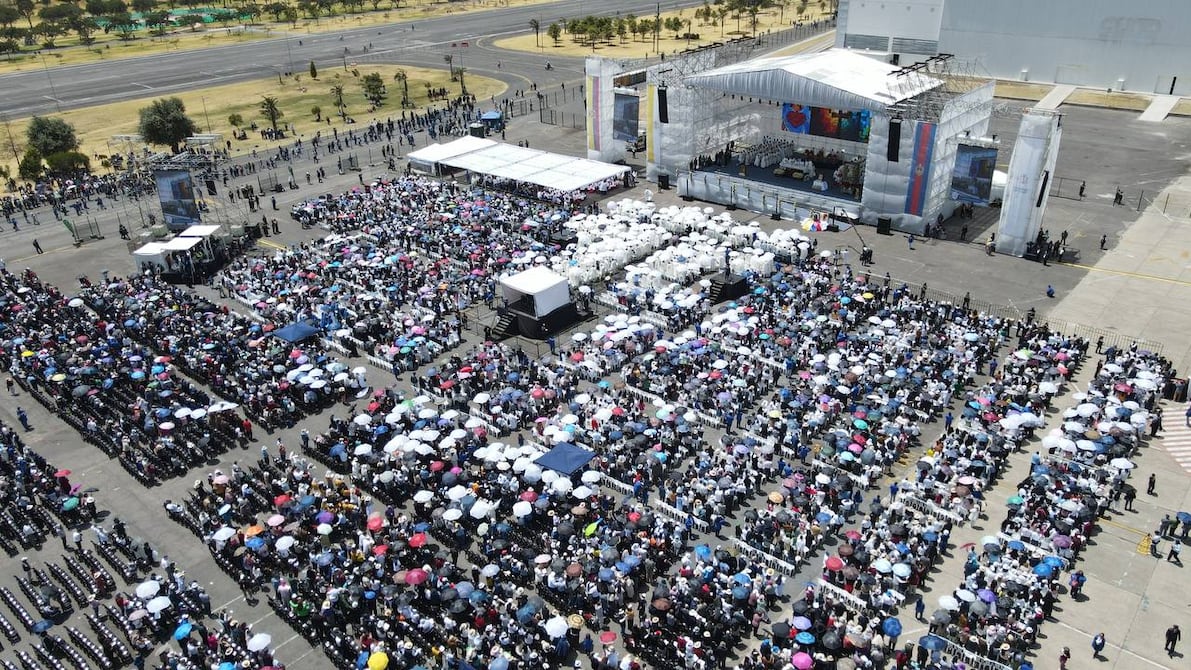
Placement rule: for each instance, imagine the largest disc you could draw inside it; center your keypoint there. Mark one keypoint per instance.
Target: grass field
(1020, 90)
(633, 46)
(110, 47)
(212, 106)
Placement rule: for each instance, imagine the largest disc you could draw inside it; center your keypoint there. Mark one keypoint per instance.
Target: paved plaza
(1139, 287)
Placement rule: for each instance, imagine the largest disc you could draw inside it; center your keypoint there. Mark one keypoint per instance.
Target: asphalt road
(415, 43)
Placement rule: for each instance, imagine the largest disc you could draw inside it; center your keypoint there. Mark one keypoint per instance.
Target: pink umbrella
(802, 661)
(275, 521)
(416, 576)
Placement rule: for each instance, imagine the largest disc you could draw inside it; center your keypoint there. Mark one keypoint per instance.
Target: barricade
(928, 507)
(971, 658)
(1030, 546)
(778, 564)
(852, 602)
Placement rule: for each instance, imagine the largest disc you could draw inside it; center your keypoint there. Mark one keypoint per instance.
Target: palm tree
(270, 110)
(536, 26)
(337, 97)
(402, 77)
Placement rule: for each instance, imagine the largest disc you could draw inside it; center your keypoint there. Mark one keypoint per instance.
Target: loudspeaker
(210, 187)
(895, 140)
(1042, 190)
(884, 225)
(663, 108)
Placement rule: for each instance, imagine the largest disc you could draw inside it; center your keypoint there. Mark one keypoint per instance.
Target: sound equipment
(884, 225)
(895, 140)
(663, 182)
(663, 108)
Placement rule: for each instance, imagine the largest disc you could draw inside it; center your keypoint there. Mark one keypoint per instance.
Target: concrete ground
(1139, 286)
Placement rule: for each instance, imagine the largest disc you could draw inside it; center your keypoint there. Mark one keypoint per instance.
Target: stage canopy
(565, 458)
(564, 173)
(835, 79)
(427, 158)
(201, 230)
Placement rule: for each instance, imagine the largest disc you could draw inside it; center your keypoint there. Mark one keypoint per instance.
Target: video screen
(626, 113)
(176, 192)
(971, 180)
(850, 126)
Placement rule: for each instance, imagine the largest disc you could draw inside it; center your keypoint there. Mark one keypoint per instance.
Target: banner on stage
(971, 180)
(924, 149)
(840, 124)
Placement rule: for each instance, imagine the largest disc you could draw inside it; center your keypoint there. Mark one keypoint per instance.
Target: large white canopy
(556, 171)
(835, 79)
(201, 230)
(437, 153)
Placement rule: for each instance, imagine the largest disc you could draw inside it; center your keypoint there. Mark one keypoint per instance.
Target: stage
(767, 176)
(789, 199)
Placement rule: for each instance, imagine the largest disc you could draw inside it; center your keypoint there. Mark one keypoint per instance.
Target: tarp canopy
(181, 243)
(533, 281)
(437, 153)
(202, 230)
(150, 249)
(565, 458)
(556, 171)
(835, 79)
(296, 332)
(492, 115)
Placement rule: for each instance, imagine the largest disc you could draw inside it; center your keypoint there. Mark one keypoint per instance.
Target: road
(415, 43)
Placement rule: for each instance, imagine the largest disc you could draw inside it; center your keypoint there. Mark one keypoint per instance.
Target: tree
(374, 88)
(144, 6)
(535, 25)
(235, 120)
(403, 77)
(165, 122)
(555, 32)
(8, 15)
(65, 163)
(159, 22)
(124, 23)
(337, 97)
(313, 71)
(270, 110)
(27, 9)
(277, 9)
(622, 29)
(30, 166)
(9, 46)
(51, 135)
(317, 112)
(49, 31)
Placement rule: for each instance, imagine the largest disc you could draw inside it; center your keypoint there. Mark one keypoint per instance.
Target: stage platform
(780, 196)
(766, 176)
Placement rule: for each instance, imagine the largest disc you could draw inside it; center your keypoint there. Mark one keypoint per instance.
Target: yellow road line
(1126, 273)
(269, 243)
(1122, 526)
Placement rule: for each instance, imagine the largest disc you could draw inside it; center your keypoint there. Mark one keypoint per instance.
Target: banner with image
(176, 192)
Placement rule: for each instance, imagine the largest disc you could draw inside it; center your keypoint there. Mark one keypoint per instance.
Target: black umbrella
(831, 641)
(781, 630)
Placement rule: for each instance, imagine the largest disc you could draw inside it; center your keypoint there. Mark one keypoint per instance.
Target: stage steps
(505, 327)
(725, 287)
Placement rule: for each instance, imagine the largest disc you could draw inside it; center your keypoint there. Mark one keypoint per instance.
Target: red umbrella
(416, 576)
(835, 563)
(607, 637)
(436, 466)
(375, 523)
(282, 499)
(529, 496)
(418, 540)
(62, 473)
(380, 549)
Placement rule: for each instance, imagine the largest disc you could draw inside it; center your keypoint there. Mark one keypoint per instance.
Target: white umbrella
(158, 604)
(323, 529)
(148, 589)
(423, 496)
(1122, 464)
(561, 485)
(224, 534)
(591, 477)
(457, 493)
(949, 603)
(259, 641)
(284, 543)
(362, 419)
(581, 492)
(522, 508)
(490, 570)
(453, 514)
(481, 398)
(966, 595)
(556, 627)
(362, 449)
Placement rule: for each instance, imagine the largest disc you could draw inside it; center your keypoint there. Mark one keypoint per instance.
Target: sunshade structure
(428, 158)
(556, 171)
(296, 332)
(836, 79)
(565, 458)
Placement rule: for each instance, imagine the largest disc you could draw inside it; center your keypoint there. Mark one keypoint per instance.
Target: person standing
(1097, 645)
(37, 246)
(1064, 657)
(1155, 540)
(1153, 482)
(1173, 635)
(1103, 242)
(1173, 555)
(1130, 496)
(1156, 423)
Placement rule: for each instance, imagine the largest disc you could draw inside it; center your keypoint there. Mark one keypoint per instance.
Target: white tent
(547, 290)
(202, 230)
(556, 171)
(428, 158)
(835, 79)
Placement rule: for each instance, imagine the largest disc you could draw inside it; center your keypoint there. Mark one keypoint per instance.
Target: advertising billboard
(840, 124)
(176, 192)
(971, 180)
(625, 117)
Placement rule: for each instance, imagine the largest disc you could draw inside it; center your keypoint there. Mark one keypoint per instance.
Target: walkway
(1159, 107)
(1176, 436)
(1056, 97)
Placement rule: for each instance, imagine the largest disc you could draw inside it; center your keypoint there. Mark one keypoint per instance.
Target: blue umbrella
(228, 665)
(930, 536)
(1044, 570)
(742, 578)
(605, 575)
(42, 626)
(183, 630)
(254, 543)
(1055, 561)
(892, 627)
(932, 643)
(1016, 545)
(804, 638)
(1183, 517)
(822, 517)
(703, 551)
(478, 597)
(740, 593)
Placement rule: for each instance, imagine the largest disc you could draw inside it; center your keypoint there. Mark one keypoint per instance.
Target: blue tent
(492, 115)
(296, 332)
(565, 458)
